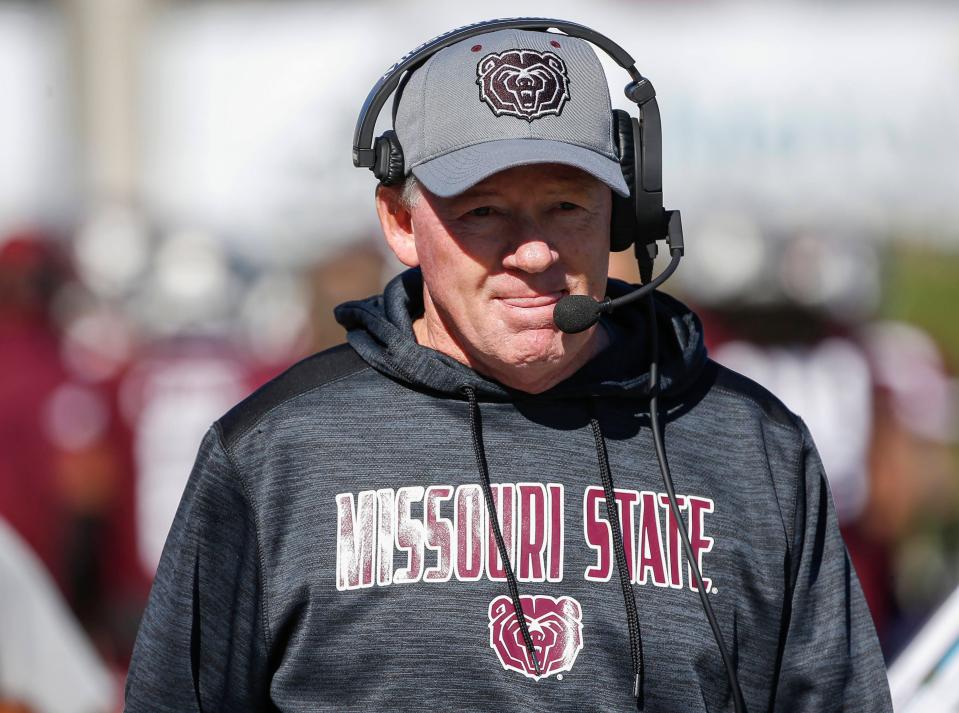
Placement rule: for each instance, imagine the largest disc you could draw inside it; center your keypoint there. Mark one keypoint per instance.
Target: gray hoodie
(334, 549)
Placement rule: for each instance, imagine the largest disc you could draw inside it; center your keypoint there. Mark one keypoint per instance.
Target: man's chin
(535, 360)
(533, 348)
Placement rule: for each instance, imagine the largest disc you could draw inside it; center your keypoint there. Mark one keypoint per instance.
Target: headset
(638, 141)
(639, 220)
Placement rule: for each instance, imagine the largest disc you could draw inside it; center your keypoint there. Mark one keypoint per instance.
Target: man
(340, 542)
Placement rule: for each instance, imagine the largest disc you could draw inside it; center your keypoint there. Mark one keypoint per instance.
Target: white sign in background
(38, 178)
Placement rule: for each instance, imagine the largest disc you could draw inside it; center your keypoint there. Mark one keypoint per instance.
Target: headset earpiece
(623, 226)
(389, 166)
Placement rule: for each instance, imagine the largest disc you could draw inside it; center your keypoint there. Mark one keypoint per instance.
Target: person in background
(66, 475)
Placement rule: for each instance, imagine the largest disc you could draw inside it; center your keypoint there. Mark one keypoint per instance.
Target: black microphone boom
(576, 313)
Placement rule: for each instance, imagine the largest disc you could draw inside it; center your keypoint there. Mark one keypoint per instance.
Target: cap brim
(451, 174)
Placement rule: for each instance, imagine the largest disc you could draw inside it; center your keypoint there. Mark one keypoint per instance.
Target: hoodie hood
(380, 329)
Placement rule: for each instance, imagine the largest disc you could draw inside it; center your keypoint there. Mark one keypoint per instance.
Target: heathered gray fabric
(246, 615)
(440, 115)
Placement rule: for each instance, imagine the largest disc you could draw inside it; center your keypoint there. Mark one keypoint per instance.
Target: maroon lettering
(468, 521)
(532, 541)
(625, 506)
(409, 535)
(385, 520)
(556, 532)
(599, 535)
(698, 507)
(673, 544)
(439, 533)
(503, 501)
(652, 561)
(356, 540)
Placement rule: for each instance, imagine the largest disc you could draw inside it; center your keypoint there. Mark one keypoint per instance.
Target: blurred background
(179, 214)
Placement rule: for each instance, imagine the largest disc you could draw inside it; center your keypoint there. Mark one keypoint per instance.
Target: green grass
(921, 286)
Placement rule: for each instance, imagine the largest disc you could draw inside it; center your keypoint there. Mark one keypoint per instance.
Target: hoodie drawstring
(476, 429)
(632, 617)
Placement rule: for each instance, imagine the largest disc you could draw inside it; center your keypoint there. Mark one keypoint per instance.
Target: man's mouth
(534, 300)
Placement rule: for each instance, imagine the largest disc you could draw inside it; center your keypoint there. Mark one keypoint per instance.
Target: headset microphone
(576, 313)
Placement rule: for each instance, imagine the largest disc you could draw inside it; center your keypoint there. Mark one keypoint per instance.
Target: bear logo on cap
(523, 83)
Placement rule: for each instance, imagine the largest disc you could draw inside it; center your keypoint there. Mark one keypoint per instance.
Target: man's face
(497, 258)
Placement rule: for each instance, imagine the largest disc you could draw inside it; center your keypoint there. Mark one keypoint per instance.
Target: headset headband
(364, 155)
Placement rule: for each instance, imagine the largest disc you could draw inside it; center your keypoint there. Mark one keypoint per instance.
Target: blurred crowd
(101, 413)
(878, 393)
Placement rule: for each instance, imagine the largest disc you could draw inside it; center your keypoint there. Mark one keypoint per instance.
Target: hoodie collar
(380, 329)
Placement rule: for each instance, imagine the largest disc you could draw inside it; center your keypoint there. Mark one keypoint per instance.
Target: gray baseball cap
(504, 99)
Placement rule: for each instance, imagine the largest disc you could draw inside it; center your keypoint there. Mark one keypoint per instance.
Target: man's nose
(533, 253)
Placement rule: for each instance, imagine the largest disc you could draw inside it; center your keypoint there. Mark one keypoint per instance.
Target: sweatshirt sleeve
(831, 659)
(202, 643)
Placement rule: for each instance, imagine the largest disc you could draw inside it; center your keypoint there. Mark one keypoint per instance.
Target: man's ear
(397, 224)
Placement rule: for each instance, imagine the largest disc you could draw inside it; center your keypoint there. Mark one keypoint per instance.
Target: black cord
(476, 429)
(738, 703)
(632, 617)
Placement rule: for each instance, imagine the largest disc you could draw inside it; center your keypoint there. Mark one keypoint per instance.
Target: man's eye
(481, 212)
(566, 205)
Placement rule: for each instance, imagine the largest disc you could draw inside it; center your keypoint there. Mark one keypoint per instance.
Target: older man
(418, 520)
